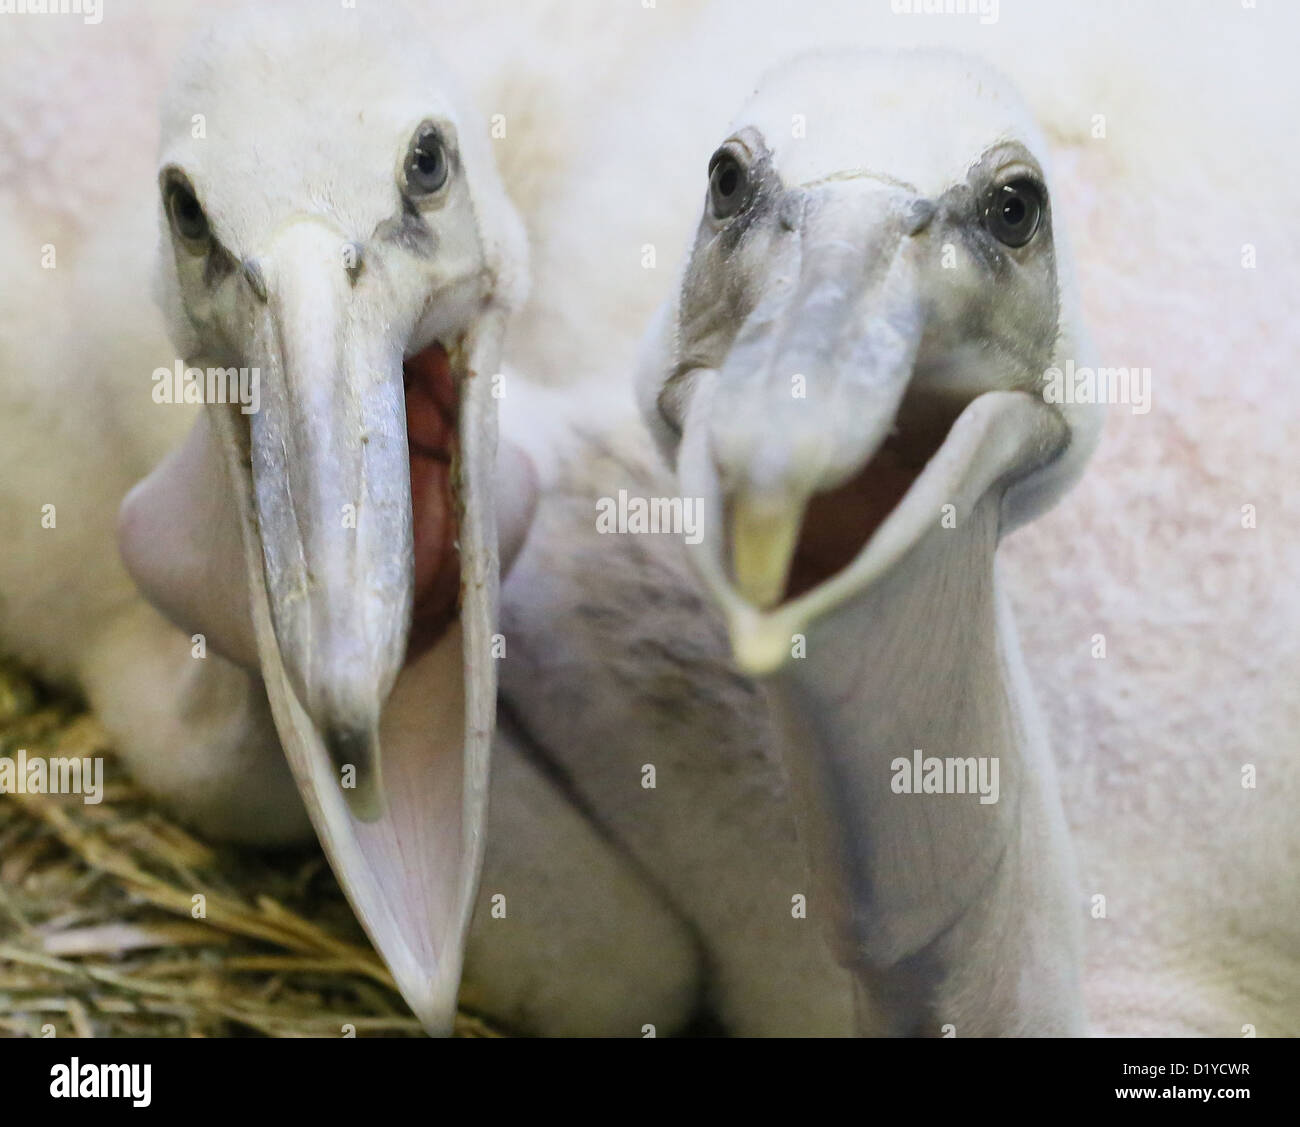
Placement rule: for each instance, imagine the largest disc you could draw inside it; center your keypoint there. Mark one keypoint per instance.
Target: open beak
(327, 456)
(365, 494)
(821, 451)
(854, 524)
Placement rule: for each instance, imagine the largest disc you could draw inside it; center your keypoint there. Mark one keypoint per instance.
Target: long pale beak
(793, 444)
(389, 746)
(814, 378)
(329, 465)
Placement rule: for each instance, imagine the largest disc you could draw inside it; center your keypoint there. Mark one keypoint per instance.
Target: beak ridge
(331, 484)
(814, 379)
(323, 482)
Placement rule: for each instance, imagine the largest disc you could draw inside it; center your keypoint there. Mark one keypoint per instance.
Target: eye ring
(185, 212)
(1015, 212)
(729, 185)
(427, 167)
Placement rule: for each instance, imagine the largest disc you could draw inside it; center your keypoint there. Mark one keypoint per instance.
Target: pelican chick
(369, 294)
(851, 377)
(340, 539)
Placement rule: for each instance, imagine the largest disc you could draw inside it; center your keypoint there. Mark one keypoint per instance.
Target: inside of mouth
(838, 523)
(431, 414)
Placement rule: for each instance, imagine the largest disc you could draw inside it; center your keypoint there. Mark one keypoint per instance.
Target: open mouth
(433, 441)
(366, 601)
(838, 523)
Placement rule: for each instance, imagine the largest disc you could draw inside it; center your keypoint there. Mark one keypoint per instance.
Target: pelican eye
(426, 164)
(728, 185)
(185, 211)
(1014, 211)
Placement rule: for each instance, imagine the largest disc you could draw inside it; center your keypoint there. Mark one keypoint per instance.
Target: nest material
(102, 934)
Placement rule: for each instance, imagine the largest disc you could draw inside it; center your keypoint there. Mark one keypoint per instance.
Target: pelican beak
(327, 454)
(365, 494)
(826, 445)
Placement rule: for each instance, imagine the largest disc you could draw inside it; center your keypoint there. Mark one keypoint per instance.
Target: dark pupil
(728, 180)
(1013, 211)
(189, 215)
(426, 161)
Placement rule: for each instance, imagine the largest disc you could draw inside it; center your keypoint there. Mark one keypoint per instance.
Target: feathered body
(1168, 167)
(1163, 551)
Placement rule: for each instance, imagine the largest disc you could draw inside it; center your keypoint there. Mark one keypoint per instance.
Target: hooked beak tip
(764, 534)
(760, 648)
(354, 751)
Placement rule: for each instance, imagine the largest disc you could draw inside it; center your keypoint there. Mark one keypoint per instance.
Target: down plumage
(1155, 551)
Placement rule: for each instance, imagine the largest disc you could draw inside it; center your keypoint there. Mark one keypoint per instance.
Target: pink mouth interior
(838, 523)
(431, 410)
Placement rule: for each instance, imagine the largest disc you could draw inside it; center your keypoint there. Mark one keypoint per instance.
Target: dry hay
(98, 935)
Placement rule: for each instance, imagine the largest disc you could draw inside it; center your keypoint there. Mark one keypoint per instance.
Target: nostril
(919, 216)
(255, 278)
(792, 209)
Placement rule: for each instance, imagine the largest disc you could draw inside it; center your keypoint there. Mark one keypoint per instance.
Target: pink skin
(178, 532)
(431, 439)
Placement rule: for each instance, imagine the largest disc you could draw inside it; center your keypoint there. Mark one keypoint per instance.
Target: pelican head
(332, 222)
(861, 339)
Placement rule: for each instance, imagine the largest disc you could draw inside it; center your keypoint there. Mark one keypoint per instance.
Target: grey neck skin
(944, 906)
